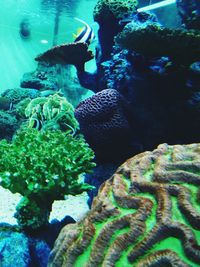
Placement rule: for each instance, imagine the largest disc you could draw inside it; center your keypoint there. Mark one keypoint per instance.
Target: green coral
(107, 9)
(53, 112)
(183, 46)
(21, 107)
(43, 166)
(15, 95)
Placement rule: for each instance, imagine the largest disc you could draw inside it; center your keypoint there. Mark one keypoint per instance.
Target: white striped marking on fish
(84, 35)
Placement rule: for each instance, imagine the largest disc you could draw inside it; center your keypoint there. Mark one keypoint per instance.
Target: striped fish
(85, 34)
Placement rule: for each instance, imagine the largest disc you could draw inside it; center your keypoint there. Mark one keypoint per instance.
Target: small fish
(36, 123)
(85, 34)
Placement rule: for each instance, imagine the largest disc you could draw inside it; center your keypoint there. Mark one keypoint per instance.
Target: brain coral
(102, 118)
(107, 9)
(146, 214)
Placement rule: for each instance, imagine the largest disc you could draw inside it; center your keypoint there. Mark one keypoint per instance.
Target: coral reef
(50, 79)
(152, 40)
(11, 111)
(108, 13)
(5, 103)
(103, 122)
(43, 166)
(15, 95)
(160, 90)
(52, 112)
(189, 11)
(72, 53)
(8, 124)
(113, 9)
(146, 214)
(43, 78)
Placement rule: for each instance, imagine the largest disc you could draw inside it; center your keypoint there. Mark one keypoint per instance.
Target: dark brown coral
(146, 214)
(70, 53)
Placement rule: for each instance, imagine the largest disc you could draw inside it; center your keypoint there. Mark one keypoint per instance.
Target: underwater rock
(8, 124)
(189, 11)
(146, 214)
(20, 249)
(43, 78)
(71, 53)
(5, 103)
(193, 81)
(54, 79)
(29, 81)
(157, 93)
(152, 40)
(104, 123)
(14, 249)
(108, 13)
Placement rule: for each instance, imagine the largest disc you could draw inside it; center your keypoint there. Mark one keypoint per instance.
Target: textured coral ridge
(153, 40)
(105, 9)
(101, 118)
(71, 53)
(146, 214)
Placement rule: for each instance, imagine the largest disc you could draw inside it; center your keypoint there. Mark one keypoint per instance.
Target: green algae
(148, 174)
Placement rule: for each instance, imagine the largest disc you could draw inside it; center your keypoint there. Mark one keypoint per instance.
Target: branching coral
(146, 214)
(155, 41)
(51, 112)
(108, 9)
(43, 166)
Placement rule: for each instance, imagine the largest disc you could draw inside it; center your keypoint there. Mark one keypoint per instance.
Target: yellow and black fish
(85, 34)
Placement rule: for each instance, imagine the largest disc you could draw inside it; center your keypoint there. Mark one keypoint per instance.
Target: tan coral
(70, 53)
(151, 199)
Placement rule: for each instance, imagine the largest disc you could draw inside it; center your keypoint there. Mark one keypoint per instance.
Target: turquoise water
(17, 54)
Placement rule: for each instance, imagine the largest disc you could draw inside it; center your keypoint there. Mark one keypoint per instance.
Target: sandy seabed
(74, 206)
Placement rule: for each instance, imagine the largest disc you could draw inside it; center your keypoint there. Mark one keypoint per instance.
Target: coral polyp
(146, 214)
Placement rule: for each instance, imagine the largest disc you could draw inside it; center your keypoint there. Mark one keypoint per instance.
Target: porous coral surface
(146, 214)
(103, 122)
(107, 9)
(69, 53)
(155, 41)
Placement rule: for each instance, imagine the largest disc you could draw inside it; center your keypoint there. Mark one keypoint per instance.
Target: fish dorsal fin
(79, 30)
(82, 21)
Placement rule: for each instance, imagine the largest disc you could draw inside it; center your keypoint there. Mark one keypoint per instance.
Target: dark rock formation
(189, 11)
(22, 249)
